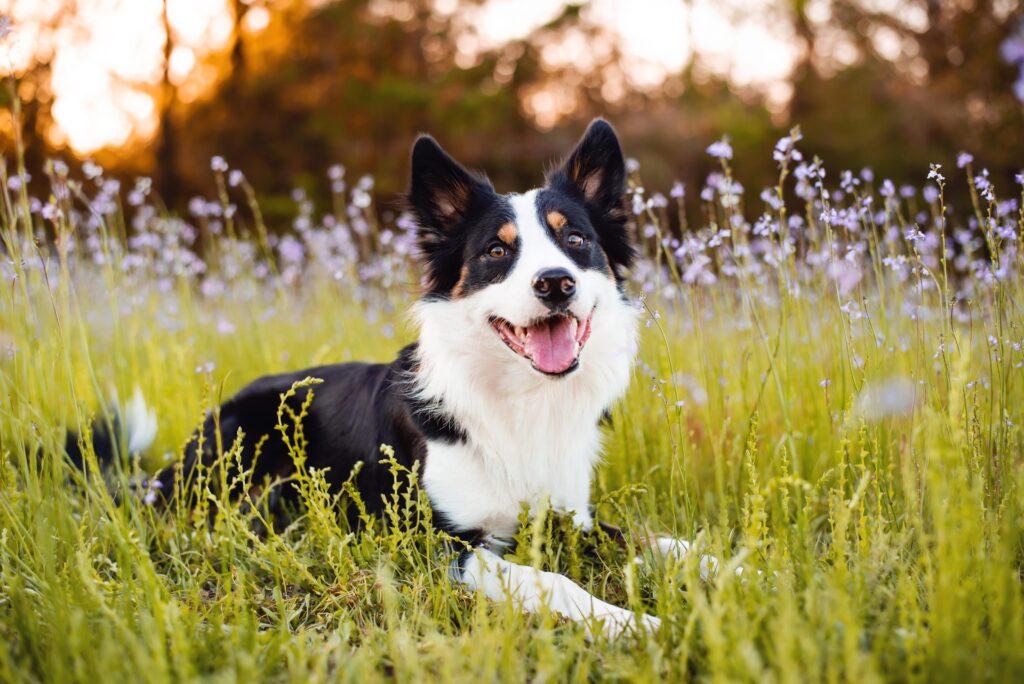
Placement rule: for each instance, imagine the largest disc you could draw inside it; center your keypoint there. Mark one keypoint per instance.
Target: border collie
(526, 338)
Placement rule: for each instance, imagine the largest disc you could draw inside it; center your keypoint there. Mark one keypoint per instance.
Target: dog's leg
(664, 547)
(670, 547)
(534, 589)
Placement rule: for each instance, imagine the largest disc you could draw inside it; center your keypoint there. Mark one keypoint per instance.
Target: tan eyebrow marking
(460, 286)
(507, 233)
(557, 220)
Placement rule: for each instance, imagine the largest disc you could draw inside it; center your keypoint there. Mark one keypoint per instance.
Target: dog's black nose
(554, 286)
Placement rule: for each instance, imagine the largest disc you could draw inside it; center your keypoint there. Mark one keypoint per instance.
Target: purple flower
(720, 150)
(785, 148)
(235, 178)
(51, 212)
(225, 327)
(91, 170)
(291, 250)
(770, 197)
(914, 235)
(963, 159)
(679, 190)
(981, 180)
(218, 164)
(152, 487)
(1012, 48)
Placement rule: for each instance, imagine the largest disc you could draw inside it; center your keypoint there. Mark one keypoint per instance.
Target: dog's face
(533, 270)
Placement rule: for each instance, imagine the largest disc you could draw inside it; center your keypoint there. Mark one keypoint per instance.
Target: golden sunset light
(108, 62)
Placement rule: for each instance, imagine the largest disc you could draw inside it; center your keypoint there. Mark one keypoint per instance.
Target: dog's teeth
(520, 331)
(573, 326)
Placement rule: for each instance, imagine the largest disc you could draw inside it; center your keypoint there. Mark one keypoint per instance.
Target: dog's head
(532, 274)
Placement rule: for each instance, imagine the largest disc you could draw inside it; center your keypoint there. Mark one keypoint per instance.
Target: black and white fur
(492, 426)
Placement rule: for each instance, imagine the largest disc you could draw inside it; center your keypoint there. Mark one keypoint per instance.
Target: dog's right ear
(441, 191)
(442, 194)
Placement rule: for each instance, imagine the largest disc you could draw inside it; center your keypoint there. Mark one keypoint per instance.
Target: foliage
(828, 397)
(893, 87)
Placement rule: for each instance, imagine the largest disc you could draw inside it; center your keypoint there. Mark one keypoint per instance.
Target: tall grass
(828, 396)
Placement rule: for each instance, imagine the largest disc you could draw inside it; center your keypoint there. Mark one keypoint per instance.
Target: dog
(526, 338)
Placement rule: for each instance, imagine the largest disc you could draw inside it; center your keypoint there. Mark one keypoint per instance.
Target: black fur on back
(355, 409)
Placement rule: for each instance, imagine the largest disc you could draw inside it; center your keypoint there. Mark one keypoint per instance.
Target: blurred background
(283, 89)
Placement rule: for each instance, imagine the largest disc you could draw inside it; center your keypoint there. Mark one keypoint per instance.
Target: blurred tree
(353, 81)
(34, 89)
(166, 101)
(928, 80)
(350, 81)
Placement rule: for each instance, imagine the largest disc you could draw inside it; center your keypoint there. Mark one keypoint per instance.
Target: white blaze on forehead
(537, 249)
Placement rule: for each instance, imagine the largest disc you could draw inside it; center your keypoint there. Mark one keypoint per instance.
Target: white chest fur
(484, 485)
(529, 437)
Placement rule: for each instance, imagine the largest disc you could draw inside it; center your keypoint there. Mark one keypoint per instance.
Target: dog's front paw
(670, 547)
(614, 625)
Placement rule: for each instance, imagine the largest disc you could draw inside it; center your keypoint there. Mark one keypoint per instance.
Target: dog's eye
(575, 240)
(496, 251)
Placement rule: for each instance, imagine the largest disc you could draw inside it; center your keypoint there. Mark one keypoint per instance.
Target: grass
(856, 447)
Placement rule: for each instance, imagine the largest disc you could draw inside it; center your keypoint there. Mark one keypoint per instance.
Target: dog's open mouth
(552, 344)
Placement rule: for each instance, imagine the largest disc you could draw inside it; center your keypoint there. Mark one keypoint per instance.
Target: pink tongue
(552, 346)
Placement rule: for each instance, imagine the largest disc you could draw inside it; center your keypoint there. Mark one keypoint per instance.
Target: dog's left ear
(595, 171)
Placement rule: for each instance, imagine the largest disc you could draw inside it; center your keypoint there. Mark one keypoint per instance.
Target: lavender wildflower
(91, 170)
(152, 487)
(785, 149)
(291, 250)
(720, 149)
(1012, 50)
(914, 235)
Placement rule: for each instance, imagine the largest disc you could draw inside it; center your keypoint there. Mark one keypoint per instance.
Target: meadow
(828, 394)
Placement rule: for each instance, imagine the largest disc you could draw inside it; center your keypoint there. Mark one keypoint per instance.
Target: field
(829, 395)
